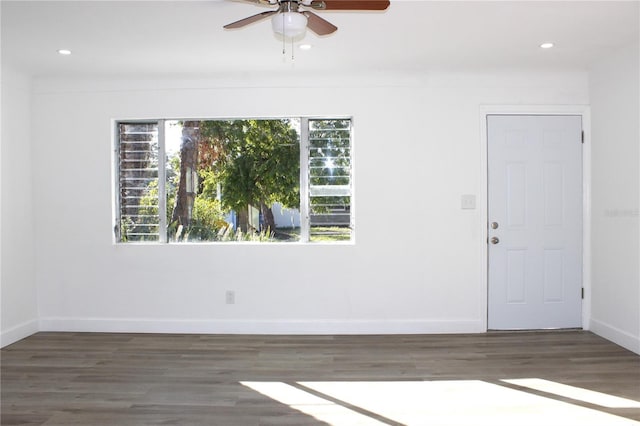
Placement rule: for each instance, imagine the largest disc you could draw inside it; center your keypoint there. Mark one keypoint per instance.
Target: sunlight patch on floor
(580, 394)
(443, 403)
(314, 406)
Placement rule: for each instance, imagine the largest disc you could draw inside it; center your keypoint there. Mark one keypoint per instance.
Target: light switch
(468, 201)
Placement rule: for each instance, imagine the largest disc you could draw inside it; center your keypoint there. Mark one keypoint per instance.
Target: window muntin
(280, 180)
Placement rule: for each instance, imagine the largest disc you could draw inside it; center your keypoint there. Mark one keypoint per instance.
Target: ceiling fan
(291, 18)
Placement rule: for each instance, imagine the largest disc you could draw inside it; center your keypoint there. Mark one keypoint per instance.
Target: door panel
(535, 197)
(516, 275)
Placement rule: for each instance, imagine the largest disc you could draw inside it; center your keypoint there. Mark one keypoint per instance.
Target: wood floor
(151, 379)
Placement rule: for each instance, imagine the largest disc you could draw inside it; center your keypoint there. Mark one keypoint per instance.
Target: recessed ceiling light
(65, 52)
(304, 47)
(546, 45)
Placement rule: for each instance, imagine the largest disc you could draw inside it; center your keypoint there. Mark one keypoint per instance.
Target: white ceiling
(166, 38)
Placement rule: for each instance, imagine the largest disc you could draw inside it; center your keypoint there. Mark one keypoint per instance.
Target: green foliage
(330, 165)
(208, 183)
(330, 152)
(207, 220)
(147, 218)
(126, 225)
(258, 161)
(252, 162)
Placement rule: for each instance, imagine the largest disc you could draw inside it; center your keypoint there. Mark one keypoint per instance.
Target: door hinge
(582, 136)
(582, 292)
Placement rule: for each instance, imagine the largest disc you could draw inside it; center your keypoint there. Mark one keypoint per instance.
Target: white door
(535, 221)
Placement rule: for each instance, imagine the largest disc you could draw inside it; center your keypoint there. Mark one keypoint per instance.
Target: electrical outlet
(230, 297)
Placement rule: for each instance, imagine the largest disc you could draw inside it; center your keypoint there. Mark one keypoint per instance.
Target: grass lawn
(318, 233)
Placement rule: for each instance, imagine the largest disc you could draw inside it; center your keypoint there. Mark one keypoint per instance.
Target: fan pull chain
(284, 50)
(284, 43)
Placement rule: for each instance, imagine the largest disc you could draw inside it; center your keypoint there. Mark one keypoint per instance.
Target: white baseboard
(18, 332)
(313, 327)
(617, 336)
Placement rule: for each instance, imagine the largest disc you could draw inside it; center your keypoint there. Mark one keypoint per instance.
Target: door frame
(585, 112)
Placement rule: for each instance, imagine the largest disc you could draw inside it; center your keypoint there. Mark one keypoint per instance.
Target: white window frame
(305, 200)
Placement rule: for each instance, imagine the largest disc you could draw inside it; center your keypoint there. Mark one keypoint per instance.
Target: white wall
(614, 91)
(415, 269)
(19, 303)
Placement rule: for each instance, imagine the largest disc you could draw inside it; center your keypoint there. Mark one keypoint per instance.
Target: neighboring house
(285, 218)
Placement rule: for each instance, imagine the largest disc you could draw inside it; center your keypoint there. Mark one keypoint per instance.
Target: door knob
(494, 240)
(494, 225)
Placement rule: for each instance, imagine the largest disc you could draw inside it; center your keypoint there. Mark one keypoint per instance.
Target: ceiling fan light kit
(290, 22)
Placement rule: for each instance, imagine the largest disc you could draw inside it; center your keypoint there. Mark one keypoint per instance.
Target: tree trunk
(269, 220)
(243, 219)
(188, 186)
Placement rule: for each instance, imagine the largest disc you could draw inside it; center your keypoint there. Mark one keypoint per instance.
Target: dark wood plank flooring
(150, 379)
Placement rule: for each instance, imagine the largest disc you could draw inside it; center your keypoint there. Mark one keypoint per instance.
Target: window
(284, 180)
(330, 179)
(138, 181)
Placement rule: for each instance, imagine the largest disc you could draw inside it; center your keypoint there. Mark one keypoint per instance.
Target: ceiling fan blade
(349, 4)
(318, 25)
(250, 19)
(262, 2)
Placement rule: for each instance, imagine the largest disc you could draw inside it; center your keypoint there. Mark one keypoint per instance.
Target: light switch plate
(468, 201)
